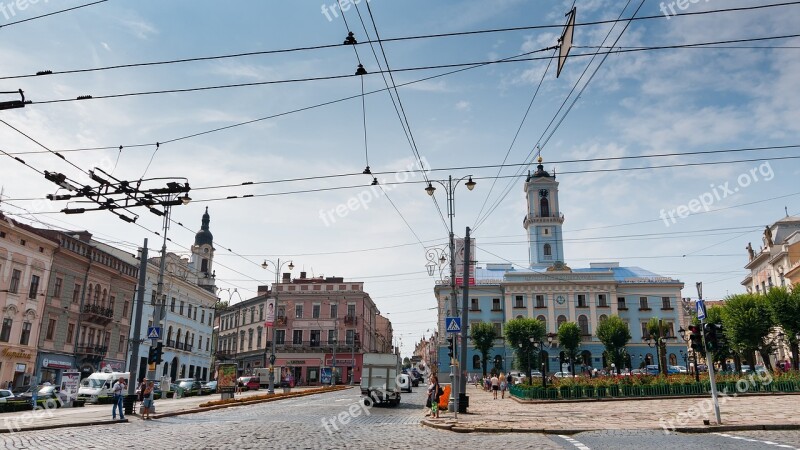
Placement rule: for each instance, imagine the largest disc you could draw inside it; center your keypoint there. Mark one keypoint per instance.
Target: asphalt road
(340, 420)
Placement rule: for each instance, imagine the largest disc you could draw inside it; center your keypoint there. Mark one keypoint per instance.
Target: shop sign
(111, 366)
(296, 362)
(8, 353)
(20, 368)
(339, 362)
(56, 364)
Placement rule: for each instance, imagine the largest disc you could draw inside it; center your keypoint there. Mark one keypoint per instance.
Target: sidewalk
(683, 415)
(101, 414)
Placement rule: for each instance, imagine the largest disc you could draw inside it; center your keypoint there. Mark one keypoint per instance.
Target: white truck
(379, 378)
(99, 384)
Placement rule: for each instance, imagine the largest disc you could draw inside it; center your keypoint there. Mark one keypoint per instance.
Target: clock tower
(544, 219)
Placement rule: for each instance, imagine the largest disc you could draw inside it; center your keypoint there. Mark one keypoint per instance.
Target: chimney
(287, 277)
(302, 275)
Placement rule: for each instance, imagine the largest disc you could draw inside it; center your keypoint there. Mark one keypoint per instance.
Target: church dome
(204, 236)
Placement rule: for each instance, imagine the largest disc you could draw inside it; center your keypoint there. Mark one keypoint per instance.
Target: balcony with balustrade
(97, 314)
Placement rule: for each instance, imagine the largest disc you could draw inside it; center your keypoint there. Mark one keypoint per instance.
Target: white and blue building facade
(554, 293)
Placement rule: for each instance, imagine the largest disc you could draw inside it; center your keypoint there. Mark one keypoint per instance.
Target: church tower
(203, 255)
(544, 220)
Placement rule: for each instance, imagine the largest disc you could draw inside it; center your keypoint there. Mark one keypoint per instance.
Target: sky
(635, 103)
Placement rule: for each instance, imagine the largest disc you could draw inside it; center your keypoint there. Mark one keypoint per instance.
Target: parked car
(45, 393)
(19, 390)
(682, 369)
(249, 383)
(209, 387)
(189, 385)
(563, 375)
(6, 395)
(536, 374)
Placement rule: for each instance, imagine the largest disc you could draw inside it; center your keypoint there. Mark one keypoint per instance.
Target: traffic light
(451, 347)
(155, 353)
(696, 338)
(711, 335)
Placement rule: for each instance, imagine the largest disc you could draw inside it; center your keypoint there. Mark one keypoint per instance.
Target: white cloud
(463, 105)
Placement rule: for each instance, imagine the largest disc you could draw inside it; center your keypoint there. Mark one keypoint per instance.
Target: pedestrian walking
(434, 392)
(142, 386)
(502, 385)
(118, 389)
(495, 386)
(239, 386)
(147, 402)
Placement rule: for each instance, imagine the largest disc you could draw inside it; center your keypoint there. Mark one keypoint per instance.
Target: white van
(99, 384)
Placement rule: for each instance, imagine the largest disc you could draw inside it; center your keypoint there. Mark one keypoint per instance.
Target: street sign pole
(701, 314)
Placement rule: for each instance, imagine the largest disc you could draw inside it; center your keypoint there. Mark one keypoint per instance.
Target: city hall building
(554, 293)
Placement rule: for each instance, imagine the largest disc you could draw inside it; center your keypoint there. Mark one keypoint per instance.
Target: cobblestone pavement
(627, 414)
(298, 423)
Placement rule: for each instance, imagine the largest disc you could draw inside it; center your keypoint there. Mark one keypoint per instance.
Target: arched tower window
(583, 323)
(548, 251)
(544, 207)
(543, 319)
(561, 319)
(204, 265)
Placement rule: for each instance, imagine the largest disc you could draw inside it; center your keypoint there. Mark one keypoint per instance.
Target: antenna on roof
(785, 208)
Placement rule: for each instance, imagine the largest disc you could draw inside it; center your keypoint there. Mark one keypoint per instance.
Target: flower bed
(655, 386)
(273, 396)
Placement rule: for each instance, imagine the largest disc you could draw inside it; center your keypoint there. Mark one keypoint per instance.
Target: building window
(581, 300)
(298, 311)
(208, 341)
(258, 340)
(202, 315)
(57, 288)
(124, 307)
(350, 337)
(474, 305)
(250, 339)
(15, 277)
(334, 311)
(34, 287)
(121, 347)
(560, 320)
(583, 323)
(665, 304)
(172, 305)
(241, 341)
(602, 300)
(543, 319)
(331, 337)
(252, 314)
(498, 328)
(544, 207)
(476, 362)
(643, 303)
(519, 301)
(602, 318)
(315, 338)
(180, 311)
(111, 300)
(315, 311)
(645, 332)
(540, 301)
(280, 337)
(70, 333)
(76, 293)
(297, 337)
(548, 252)
(51, 329)
(621, 303)
(496, 304)
(26, 333)
(260, 313)
(351, 310)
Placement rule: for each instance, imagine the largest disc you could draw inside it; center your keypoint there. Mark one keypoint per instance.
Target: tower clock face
(543, 192)
(560, 300)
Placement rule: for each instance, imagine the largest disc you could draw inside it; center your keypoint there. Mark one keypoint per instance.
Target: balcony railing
(315, 346)
(179, 345)
(98, 314)
(350, 320)
(92, 351)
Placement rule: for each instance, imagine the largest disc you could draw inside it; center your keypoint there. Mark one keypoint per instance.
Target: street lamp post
(450, 190)
(686, 338)
(278, 267)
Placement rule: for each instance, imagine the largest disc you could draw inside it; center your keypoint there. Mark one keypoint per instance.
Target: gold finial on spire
(540, 159)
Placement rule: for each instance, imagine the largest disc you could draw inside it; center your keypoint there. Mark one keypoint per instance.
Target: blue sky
(639, 103)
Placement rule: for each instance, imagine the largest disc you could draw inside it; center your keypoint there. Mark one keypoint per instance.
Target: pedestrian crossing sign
(154, 333)
(453, 324)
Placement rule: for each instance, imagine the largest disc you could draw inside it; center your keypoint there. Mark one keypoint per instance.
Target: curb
(460, 428)
(64, 425)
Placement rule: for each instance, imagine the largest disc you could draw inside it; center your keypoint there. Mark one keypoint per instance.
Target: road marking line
(574, 442)
(729, 436)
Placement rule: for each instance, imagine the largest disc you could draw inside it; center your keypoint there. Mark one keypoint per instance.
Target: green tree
(785, 307)
(482, 336)
(747, 324)
(615, 335)
(406, 363)
(569, 337)
(658, 329)
(519, 331)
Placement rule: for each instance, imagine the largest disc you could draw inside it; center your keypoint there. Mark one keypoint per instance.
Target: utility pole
(335, 343)
(462, 388)
(137, 322)
(160, 308)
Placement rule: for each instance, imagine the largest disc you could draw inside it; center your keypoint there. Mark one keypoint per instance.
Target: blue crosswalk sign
(453, 324)
(153, 332)
(700, 306)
